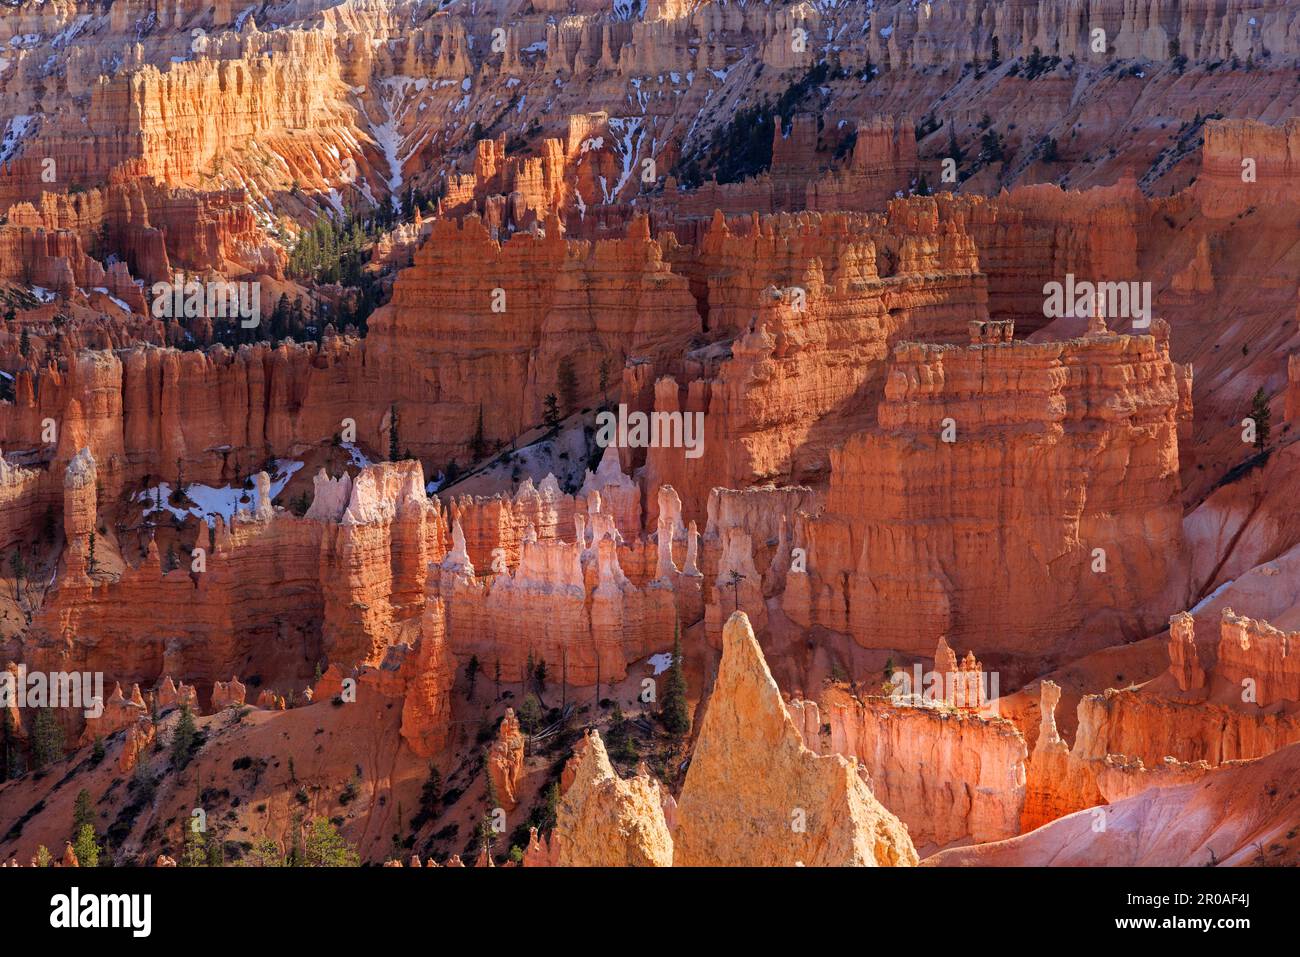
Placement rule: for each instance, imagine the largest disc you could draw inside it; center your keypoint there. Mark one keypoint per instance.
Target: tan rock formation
(947, 776)
(606, 821)
(505, 760)
(755, 795)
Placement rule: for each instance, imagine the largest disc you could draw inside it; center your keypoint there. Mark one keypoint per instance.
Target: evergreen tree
(1259, 411)
(530, 714)
(47, 739)
(265, 853)
(393, 444)
(674, 711)
(82, 813)
(991, 147)
(430, 795)
(954, 151)
(326, 847)
(184, 739)
(86, 847)
(11, 756)
(90, 554)
(216, 852)
(551, 415)
(194, 849)
(25, 343)
(43, 857)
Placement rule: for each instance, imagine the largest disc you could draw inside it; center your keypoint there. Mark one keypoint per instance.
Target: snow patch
(210, 502)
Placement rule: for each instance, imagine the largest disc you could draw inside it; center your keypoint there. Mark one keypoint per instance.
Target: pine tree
(430, 795)
(326, 847)
(86, 846)
(551, 415)
(194, 850)
(530, 714)
(954, 151)
(674, 711)
(393, 444)
(11, 758)
(47, 739)
(265, 853)
(184, 738)
(1259, 411)
(90, 554)
(82, 814)
(25, 343)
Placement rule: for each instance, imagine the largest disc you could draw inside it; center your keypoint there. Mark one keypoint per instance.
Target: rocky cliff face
(832, 255)
(474, 312)
(948, 776)
(965, 473)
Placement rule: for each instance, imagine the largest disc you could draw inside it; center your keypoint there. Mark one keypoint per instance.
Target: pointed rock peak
(751, 776)
(609, 471)
(945, 659)
(606, 821)
(526, 489)
(593, 764)
(458, 558)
